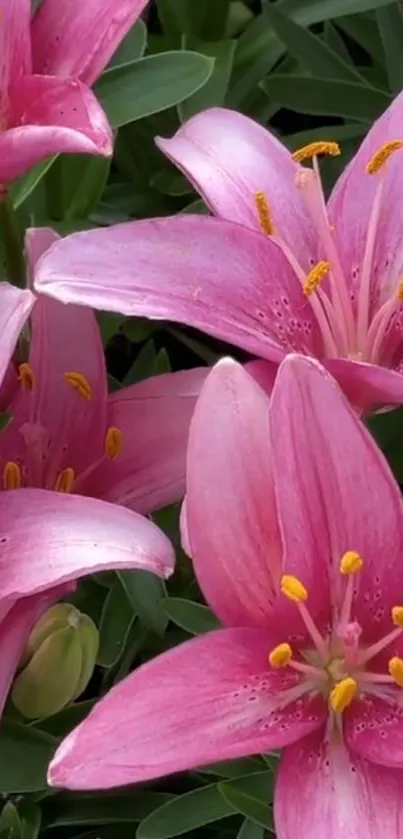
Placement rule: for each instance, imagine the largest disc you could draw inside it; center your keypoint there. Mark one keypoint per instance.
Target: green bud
(58, 662)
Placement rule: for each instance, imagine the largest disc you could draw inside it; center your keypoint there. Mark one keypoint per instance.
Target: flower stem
(11, 236)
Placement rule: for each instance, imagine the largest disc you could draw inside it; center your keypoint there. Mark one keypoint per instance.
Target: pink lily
(47, 65)
(67, 433)
(296, 531)
(47, 541)
(279, 270)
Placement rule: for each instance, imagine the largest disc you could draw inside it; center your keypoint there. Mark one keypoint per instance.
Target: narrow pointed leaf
(326, 97)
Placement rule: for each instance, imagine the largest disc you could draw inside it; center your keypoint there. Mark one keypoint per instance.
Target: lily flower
(47, 65)
(295, 526)
(67, 433)
(279, 269)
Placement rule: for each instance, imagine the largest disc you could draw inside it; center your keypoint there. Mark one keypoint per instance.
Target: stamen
(314, 277)
(65, 480)
(263, 211)
(395, 668)
(280, 656)
(399, 293)
(113, 442)
(313, 149)
(382, 155)
(80, 383)
(397, 615)
(343, 694)
(11, 475)
(26, 376)
(292, 588)
(351, 563)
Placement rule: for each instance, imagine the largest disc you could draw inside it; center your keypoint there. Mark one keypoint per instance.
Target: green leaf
(109, 324)
(248, 806)
(324, 97)
(5, 419)
(363, 29)
(250, 830)
(310, 51)
(204, 19)
(133, 45)
(75, 184)
(348, 131)
(215, 90)
(257, 784)
(234, 768)
(60, 724)
(335, 41)
(30, 818)
(24, 757)
(193, 617)
(184, 813)
(259, 47)
(10, 824)
(142, 366)
(390, 23)
(147, 594)
(116, 620)
(214, 15)
(152, 84)
(65, 809)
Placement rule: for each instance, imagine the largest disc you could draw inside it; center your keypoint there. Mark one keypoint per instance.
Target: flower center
(336, 666)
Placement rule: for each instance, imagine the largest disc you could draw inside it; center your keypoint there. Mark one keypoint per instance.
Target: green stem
(11, 236)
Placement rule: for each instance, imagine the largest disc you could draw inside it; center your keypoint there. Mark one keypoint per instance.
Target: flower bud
(58, 662)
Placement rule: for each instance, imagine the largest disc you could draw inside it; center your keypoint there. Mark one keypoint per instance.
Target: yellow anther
(11, 475)
(314, 277)
(280, 656)
(399, 293)
(80, 383)
(293, 588)
(343, 694)
(26, 376)
(382, 155)
(397, 616)
(395, 667)
(313, 149)
(351, 563)
(113, 442)
(263, 211)
(65, 480)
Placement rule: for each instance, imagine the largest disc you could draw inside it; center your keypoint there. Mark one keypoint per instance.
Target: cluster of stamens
(353, 332)
(336, 665)
(66, 479)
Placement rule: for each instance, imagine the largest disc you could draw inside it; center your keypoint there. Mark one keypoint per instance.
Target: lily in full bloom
(67, 433)
(295, 527)
(278, 270)
(47, 65)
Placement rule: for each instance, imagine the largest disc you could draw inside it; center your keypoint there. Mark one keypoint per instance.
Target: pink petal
(229, 158)
(14, 629)
(335, 493)
(367, 386)
(219, 277)
(328, 793)
(66, 339)
(230, 507)
(15, 47)
(15, 306)
(37, 241)
(374, 731)
(351, 203)
(50, 116)
(48, 538)
(210, 699)
(78, 39)
(154, 417)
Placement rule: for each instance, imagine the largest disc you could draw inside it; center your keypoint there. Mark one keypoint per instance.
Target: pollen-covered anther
(26, 376)
(315, 276)
(313, 149)
(382, 155)
(113, 442)
(351, 563)
(65, 480)
(395, 667)
(12, 475)
(280, 656)
(292, 588)
(343, 694)
(397, 616)
(263, 211)
(80, 383)
(399, 292)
